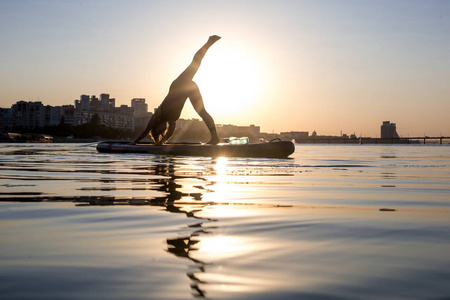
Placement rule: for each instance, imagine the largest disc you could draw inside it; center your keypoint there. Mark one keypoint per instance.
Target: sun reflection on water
(221, 246)
(219, 181)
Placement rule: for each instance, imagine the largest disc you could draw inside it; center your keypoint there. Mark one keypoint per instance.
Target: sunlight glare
(229, 79)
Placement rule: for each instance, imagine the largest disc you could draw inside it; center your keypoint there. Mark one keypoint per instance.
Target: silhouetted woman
(162, 123)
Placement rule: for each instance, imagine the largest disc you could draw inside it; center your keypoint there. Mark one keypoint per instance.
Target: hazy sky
(328, 66)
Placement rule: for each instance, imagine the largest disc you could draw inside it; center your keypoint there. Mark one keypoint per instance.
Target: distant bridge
(368, 140)
(409, 140)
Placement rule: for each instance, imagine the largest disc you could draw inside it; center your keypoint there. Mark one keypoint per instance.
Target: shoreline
(43, 138)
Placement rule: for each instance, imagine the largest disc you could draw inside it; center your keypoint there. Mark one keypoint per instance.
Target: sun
(230, 80)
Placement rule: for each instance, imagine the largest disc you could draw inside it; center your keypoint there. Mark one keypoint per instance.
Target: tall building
(52, 115)
(139, 106)
(68, 112)
(84, 102)
(95, 103)
(389, 130)
(6, 119)
(116, 117)
(122, 118)
(28, 114)
(106, 103)
(140, 113)
(31, 115)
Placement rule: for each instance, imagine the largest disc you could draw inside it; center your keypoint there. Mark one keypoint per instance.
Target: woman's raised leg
(192, 69)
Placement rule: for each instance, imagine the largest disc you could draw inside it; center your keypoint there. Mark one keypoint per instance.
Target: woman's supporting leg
(197, 102)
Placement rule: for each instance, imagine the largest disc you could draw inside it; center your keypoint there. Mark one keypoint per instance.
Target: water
(332, 222)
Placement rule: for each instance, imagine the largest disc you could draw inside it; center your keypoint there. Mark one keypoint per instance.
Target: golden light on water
(229, 183)
(222, 246)
(221, 166)
(219, 180)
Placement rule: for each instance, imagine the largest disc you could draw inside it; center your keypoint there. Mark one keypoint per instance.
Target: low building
(252, 132)
(294, 135)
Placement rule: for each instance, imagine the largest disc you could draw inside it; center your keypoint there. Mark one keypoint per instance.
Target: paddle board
(275, 149)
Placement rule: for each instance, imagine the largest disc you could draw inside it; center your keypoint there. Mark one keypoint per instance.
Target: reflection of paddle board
(276, 149)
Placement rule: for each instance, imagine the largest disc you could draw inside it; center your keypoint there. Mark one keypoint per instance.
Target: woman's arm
(170, 130)
(150, 125)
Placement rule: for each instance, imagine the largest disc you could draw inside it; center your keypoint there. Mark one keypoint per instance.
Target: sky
(325, 66)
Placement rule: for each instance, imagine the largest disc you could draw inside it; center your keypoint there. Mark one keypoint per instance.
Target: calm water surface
(332, 222)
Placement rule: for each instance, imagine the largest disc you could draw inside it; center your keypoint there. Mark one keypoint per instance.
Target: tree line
(92, 129)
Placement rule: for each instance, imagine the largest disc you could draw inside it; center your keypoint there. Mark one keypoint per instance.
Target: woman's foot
(214, 38)
(214, 141)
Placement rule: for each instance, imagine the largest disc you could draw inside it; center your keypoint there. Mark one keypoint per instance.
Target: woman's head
(158, 132)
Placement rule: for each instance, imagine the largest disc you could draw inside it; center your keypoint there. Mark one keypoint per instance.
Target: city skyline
(319, 66)
(87, 105)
